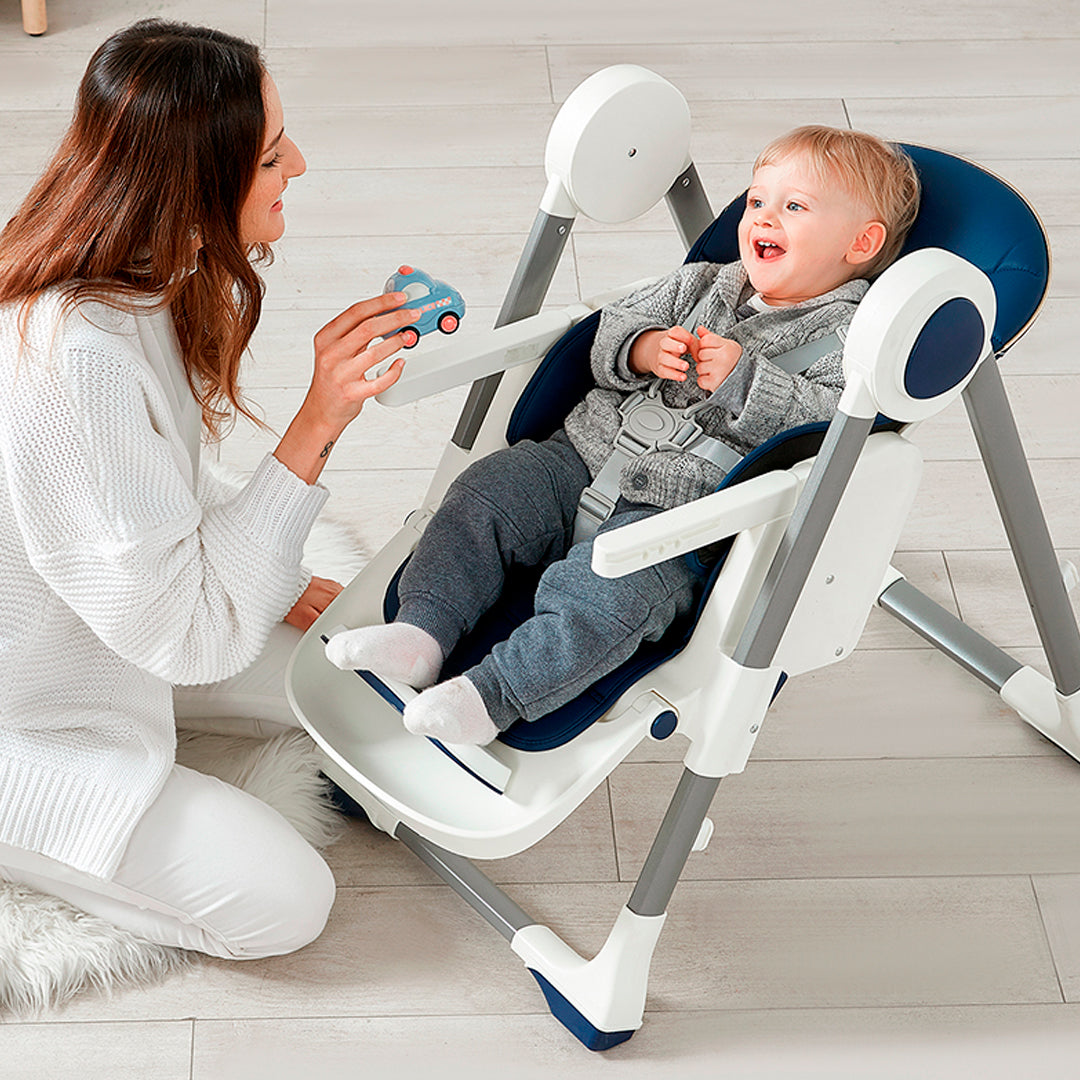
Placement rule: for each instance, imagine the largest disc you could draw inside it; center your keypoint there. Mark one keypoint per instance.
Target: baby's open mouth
(767, 250)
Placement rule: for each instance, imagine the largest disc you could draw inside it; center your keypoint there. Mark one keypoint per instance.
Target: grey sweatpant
(517, 506)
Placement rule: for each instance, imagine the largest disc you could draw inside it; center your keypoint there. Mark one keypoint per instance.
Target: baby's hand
(673, 346)
(716, 358)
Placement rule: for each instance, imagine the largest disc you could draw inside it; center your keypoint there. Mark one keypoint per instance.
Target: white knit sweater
(123, 572)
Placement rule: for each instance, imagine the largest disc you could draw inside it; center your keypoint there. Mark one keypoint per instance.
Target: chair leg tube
(973, 652)
(470, 883)
(674, 841)
(1025, 524)
(689, 205)
(529, 286)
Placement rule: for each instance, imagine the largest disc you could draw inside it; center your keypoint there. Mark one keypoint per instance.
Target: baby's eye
(795, 207)
(753, 203)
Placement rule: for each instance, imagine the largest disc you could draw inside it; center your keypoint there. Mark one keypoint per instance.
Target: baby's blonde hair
(879, 174)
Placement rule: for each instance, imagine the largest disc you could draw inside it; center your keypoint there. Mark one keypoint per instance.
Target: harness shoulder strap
(796, 361)
(598, 500)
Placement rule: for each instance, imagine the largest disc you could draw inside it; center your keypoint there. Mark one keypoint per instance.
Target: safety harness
(648, 424)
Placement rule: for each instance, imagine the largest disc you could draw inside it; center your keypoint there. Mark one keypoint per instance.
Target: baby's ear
(867, 243)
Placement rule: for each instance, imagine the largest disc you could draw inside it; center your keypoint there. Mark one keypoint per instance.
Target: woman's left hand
(314, 601)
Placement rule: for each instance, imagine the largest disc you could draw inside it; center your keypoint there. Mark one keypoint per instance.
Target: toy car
(442, 306)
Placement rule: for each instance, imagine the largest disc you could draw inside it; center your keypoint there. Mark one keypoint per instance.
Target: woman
(127, 297)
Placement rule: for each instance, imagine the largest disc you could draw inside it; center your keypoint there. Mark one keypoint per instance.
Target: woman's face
(261, 218)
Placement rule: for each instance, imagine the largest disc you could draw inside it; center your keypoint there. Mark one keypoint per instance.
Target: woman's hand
(314, 601)
(345, 351)
(344, 354)
(715, 357)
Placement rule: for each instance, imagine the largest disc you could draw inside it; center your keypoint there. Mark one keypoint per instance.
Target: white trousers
(208, 867)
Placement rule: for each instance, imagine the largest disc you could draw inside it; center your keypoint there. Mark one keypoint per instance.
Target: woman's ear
(868, 242)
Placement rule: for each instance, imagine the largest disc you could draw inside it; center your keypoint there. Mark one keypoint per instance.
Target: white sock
(452, 712)
(398, 650)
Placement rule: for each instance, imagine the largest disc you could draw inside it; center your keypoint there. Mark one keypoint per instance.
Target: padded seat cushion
(516, 605)
(964, 209)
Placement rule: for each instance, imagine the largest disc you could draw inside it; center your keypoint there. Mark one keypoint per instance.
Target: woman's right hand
(344, 354)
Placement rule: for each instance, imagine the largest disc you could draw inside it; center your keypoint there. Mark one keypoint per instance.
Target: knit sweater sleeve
(759, 398)
(659, 305)
(112, 526)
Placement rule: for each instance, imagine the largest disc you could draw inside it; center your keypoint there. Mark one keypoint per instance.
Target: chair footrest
(477, 761)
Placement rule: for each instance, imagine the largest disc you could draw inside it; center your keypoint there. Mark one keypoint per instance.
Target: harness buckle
(630, 443)
(683, 438)
(593, 509)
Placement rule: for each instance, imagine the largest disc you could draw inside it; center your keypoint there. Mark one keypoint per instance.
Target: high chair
(799, 538)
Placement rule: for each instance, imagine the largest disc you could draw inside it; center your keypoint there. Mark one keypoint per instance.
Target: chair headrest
(964, 209)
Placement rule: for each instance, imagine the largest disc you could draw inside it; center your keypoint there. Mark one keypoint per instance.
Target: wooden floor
(893, 890)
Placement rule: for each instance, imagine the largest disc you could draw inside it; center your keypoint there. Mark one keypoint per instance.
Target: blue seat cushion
(964, 209)
(516, 605)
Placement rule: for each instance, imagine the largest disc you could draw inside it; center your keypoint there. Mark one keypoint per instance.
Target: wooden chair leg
(34, 19)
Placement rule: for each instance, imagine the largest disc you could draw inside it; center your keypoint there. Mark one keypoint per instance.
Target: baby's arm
(626, 348)
(757, 399)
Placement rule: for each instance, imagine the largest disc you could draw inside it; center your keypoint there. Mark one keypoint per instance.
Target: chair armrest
(463, 361)
(467, 359)
(704, 521)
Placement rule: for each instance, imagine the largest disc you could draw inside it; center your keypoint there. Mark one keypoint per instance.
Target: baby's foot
(398, 650)
(451, 712)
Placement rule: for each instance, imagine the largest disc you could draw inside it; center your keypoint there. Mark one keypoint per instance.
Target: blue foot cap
(575, 1023)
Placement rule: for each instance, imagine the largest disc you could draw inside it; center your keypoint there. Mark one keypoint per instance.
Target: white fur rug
(50, 951)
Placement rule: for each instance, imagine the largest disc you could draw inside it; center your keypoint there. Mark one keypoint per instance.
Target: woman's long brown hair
(162, 150)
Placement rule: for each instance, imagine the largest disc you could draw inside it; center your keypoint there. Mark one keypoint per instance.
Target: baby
(826, 210)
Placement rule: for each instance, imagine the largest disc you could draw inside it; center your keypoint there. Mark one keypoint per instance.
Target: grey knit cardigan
(754, 402)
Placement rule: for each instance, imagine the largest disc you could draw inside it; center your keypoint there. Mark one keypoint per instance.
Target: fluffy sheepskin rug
(50, 951)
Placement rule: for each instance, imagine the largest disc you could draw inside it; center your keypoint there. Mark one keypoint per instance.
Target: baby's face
(797, 234)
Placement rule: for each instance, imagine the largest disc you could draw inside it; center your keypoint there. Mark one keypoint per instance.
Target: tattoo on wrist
(326, 448)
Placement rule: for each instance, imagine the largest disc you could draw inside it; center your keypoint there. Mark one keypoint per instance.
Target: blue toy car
(442, 307)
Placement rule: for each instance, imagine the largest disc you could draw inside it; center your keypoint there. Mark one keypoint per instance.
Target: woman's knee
(229, 865)
(296, 905)
(276, 912)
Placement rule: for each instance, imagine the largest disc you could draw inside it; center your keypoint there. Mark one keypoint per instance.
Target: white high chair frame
(810, 557)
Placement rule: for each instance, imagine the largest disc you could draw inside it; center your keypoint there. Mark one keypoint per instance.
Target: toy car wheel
(409, 338)
(449, 322)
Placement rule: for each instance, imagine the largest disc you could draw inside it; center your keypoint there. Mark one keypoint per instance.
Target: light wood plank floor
(894, 886)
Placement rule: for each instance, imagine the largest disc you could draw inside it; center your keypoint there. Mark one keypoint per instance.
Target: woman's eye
(272, 162)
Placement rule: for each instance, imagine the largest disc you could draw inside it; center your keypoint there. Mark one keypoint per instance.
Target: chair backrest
(964, 209)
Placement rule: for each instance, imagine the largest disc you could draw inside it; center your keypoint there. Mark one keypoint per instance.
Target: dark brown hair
(161, 153)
